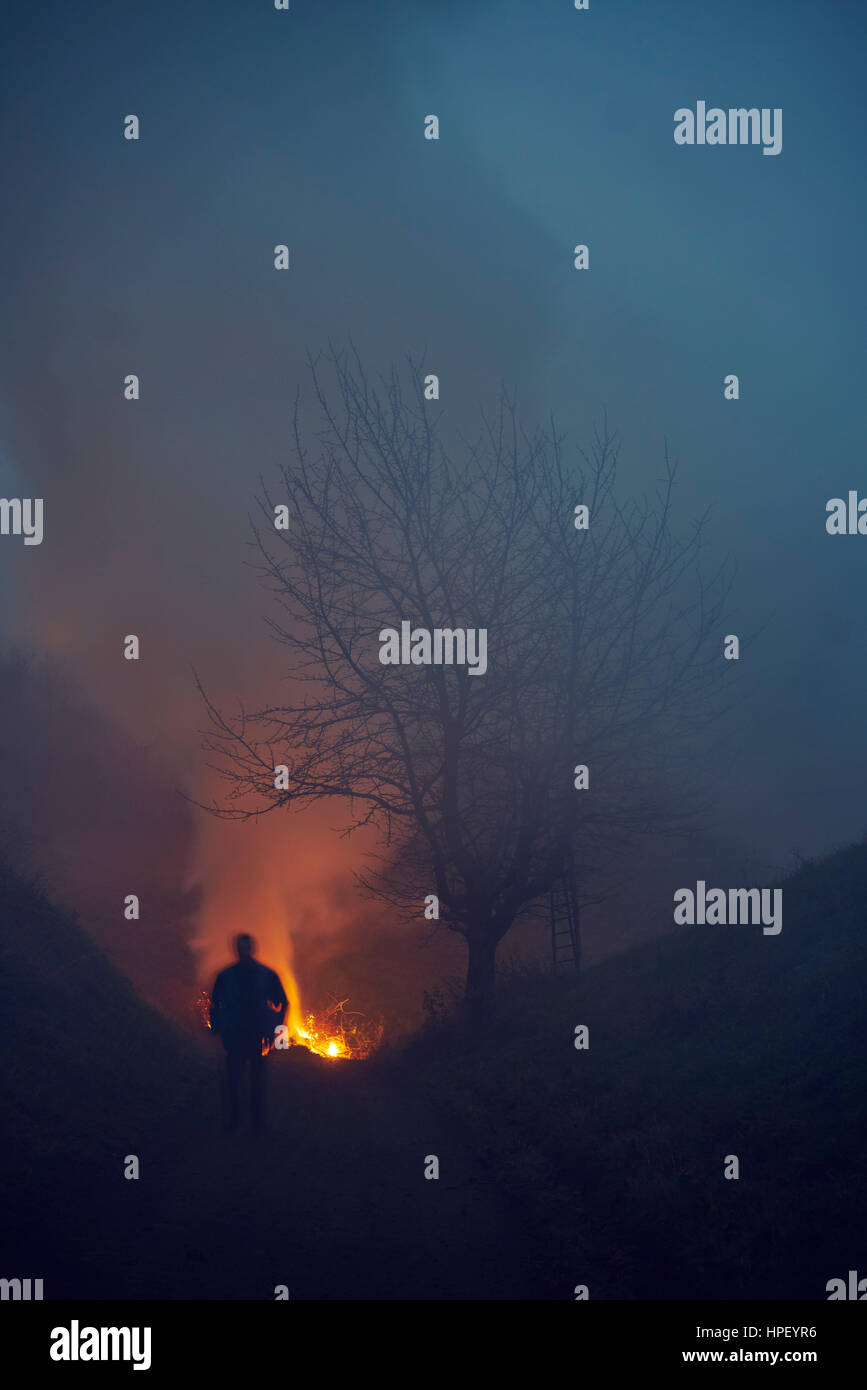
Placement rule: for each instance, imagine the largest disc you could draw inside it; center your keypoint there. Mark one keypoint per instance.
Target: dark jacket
(247, 1003)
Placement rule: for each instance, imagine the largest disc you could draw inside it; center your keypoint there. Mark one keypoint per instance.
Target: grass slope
(89, 1073)
(714, 1041)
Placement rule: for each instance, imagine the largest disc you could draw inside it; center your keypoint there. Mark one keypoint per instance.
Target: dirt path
(333, 1203)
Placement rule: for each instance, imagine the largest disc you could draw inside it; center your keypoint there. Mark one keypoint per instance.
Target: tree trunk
(482, 950)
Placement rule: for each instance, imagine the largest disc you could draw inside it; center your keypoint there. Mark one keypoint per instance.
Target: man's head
(245, 946)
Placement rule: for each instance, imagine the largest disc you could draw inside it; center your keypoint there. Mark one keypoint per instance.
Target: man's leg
(234, 1062)
(257, 1089)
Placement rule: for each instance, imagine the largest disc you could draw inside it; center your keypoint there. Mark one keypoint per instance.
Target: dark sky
(306, 127)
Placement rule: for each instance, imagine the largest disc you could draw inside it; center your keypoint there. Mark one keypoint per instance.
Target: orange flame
(338, 1034)
(313, 1037)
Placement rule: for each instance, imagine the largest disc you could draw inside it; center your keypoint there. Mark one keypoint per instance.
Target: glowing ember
(315, 1039)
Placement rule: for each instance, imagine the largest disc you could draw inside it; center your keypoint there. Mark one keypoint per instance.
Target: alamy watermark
(734, 907)
(739, 125)
(444, 646)
(20, 1290)
(22, 516)
(76, 1343)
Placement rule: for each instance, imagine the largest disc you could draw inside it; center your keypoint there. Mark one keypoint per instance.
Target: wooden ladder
(565, 926)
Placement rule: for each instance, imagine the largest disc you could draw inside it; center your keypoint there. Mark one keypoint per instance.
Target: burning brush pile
(339, 1033)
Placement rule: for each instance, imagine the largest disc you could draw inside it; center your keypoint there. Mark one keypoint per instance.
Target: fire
(337, 1034)
(315, 1039)
(340, 1032)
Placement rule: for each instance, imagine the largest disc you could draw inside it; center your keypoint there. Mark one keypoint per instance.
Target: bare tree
(604, 649)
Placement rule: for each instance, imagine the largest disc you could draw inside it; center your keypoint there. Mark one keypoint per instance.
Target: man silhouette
(247, 1004)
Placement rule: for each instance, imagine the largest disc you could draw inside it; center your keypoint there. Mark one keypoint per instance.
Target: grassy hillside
(715, 1041)
(89, 1071)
